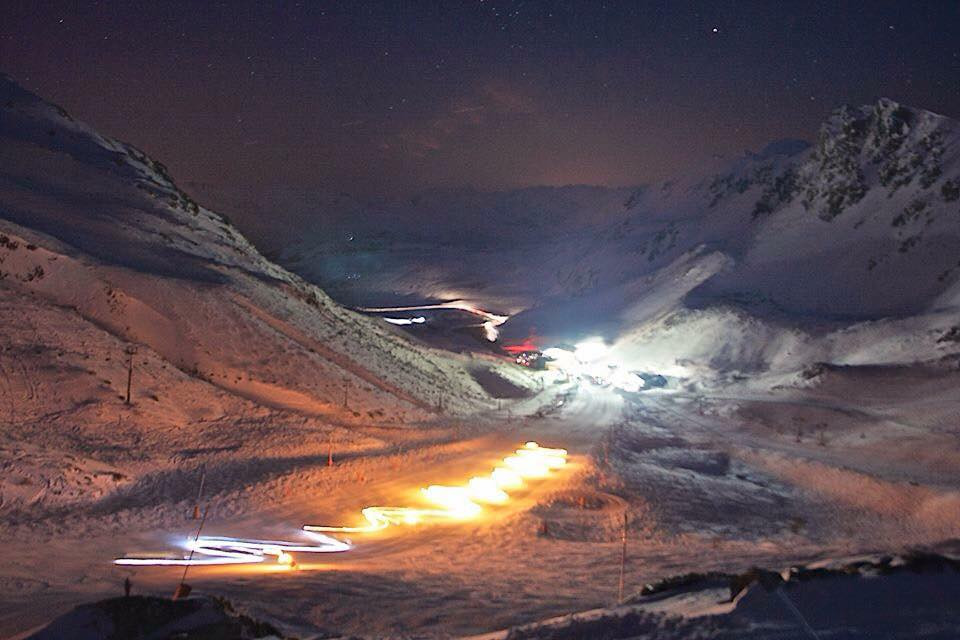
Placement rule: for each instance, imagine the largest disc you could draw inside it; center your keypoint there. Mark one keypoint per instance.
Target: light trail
(449, 503)
(217, 550)
(490, 331)
(490, 320)
(464, 502)
(402, 322)
(494, 319)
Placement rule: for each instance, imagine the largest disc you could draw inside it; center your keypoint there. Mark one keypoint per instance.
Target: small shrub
(950, 190)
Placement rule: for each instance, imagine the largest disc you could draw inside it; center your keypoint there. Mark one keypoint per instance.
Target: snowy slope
(866, 225)
(846, 254)
(101, 254)
(907, 596)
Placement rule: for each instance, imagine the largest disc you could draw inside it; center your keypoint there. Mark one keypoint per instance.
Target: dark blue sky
(372, 97)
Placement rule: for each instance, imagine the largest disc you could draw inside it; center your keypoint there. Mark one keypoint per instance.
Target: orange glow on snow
(463, 502)
(447, 503)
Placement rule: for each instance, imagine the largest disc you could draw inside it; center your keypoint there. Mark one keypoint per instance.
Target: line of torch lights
(447, 503)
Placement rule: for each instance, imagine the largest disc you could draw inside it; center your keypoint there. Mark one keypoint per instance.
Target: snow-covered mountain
(845, 250)
(101, 256)
(155, 366)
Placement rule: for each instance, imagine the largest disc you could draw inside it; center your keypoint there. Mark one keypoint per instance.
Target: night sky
(386, 98)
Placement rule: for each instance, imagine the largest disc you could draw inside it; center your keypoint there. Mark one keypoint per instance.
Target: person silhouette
(127, 585)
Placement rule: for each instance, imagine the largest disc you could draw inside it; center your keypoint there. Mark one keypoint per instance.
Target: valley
(156, 366)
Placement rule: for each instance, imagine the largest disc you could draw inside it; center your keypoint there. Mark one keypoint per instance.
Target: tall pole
(177, 594)
(196, 505)
(623, 557)
(129, 375)
(345, 393)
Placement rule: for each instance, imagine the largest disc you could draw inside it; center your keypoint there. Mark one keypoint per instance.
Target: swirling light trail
(215, 550)
(449, 503)
(490, 320)
(494, 318)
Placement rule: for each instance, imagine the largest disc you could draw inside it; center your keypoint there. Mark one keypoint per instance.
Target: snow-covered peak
(151, 225)
(27, 118)
(95, 225)
(884, 143)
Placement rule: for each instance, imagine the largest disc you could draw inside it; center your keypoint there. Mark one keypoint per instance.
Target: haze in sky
(381, 98)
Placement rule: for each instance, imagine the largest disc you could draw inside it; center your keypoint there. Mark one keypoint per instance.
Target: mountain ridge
(863, 225)
(96, 236)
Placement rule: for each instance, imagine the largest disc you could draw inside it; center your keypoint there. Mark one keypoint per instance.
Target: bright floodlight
(591, 350)
(558, 354)
(490, 331)
(628, 381)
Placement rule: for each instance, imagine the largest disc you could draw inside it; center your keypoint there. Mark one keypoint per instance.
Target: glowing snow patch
(461, 503)
(506, 478)
(448, 504)
(560, 355)
(455, 500)
(486, 490)
(627, 381)
(591, 350)
(550, 458)
(527, 467)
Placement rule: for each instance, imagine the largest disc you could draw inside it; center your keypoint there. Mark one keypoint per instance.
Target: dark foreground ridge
(153, 618)
(914, 595)
(909, 596)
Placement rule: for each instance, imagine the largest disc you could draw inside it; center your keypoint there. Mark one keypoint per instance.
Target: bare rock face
(885, 143)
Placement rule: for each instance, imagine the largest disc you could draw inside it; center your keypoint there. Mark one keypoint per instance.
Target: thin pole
(203, 478)
(330, 451)
(623, 557)
(193, 548)
(803, 621)
(129, 377)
